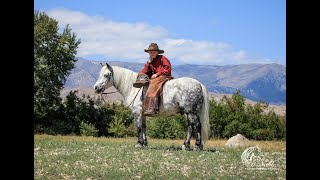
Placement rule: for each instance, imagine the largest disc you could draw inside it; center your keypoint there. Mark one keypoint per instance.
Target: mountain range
(266, 82)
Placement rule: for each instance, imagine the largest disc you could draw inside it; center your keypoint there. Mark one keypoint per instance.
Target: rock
(237, 141)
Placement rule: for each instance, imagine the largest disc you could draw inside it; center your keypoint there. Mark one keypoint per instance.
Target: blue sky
(204, 32)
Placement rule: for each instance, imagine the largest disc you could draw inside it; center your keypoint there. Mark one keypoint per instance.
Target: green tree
(232, 116)
(54, 58)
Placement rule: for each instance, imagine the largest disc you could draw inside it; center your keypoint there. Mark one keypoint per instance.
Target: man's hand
(154, 76)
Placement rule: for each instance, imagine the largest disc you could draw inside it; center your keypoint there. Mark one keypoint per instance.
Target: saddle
(150, 99)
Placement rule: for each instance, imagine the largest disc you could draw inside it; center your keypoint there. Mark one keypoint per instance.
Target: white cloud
(121, 40)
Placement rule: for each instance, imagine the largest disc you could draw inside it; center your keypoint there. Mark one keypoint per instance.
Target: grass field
(77, 157)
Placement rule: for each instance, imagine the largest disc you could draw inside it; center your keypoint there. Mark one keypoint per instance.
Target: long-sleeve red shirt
(160, 66)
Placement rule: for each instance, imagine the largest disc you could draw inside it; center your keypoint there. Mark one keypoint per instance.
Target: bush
(232, 116)
(173, 127)
(121, 121)
(117, 127)
(132, 130)
(87, 129)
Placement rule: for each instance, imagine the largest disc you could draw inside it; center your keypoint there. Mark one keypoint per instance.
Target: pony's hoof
(138, 146)
(185, 148)
(198, 148)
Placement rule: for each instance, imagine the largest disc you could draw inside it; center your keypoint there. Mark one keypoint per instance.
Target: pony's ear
(110, 68)
(101, 64)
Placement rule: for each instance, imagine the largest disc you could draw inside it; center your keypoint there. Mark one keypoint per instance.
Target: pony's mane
(123, 79)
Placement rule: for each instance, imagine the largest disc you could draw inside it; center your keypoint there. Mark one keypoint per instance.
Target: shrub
(173, 127)
(232, 116)
(87, 129)
(117, 127)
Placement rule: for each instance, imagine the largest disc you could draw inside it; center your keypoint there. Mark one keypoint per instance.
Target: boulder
(237, 141)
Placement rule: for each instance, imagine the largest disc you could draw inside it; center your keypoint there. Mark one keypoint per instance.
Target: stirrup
(149, 112)
(140, 83)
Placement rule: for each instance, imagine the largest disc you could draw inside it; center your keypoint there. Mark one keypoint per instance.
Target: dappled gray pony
(182, 95)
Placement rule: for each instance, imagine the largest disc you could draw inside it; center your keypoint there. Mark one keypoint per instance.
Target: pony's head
(105, 79)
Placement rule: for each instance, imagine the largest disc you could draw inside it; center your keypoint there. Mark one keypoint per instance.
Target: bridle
(106, 93)
(117, 91)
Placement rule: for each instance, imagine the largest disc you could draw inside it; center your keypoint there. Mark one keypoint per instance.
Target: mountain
(256, 82)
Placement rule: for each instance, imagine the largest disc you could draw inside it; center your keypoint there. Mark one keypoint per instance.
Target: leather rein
(118, 91)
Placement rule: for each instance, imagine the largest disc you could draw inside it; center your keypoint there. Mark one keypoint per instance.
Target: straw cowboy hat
(154, 46)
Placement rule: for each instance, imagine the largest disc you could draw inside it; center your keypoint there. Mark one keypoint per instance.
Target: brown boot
(149, 112)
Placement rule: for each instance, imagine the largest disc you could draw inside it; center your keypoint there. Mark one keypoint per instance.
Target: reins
(106, 93)
(118, 91)
(109, 92)
(135, 97)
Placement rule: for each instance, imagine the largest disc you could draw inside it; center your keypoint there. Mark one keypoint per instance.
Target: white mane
(123, 81)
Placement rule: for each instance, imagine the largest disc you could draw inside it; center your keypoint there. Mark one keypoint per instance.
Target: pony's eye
(106, 75)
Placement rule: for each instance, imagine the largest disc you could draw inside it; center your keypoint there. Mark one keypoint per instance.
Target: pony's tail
(204, 116)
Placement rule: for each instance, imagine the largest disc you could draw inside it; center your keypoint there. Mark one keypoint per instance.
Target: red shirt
(160, 66)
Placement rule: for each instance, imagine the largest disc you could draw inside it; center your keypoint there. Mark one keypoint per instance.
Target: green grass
(76, 157)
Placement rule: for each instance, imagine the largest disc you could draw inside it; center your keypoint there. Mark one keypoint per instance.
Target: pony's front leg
(144, 131)
(141, 127)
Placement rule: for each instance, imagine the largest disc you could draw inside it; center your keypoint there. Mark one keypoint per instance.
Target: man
(158, 70)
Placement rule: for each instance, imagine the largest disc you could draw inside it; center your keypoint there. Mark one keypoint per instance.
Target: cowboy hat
(154, 47)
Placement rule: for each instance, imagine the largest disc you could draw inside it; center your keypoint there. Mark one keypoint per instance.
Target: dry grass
(279, 146)
(79, 157)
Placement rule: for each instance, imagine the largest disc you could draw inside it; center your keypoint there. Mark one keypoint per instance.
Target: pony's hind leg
(196, 128)
(186, 144)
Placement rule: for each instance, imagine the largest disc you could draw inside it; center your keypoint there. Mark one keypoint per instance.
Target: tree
(54, 58)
